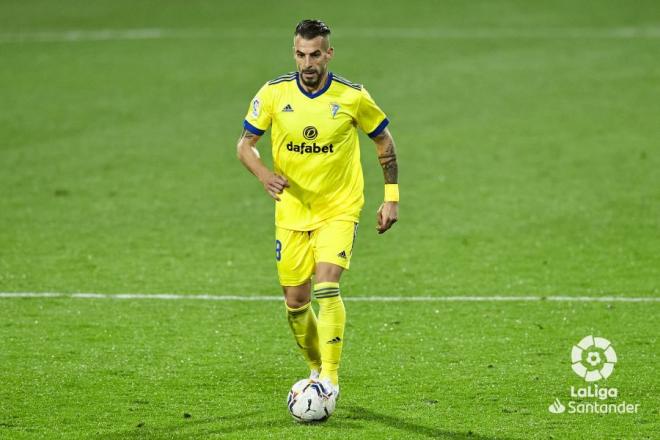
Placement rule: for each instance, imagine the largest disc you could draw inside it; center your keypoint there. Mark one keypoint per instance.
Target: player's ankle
(331, 378)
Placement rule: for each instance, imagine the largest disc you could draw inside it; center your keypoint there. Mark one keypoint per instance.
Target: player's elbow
(240, 150)
(246, 151)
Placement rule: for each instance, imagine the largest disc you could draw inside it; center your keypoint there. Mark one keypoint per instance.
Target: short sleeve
(259, 114)
(370, 117)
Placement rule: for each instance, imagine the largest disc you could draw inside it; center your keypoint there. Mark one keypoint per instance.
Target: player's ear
(331, 52)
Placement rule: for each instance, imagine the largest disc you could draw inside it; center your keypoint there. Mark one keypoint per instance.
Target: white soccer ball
(311, 401)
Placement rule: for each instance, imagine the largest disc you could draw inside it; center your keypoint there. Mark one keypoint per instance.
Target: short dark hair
(310, 29)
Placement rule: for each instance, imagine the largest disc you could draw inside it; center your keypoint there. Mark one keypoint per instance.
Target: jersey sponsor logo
(334, 108)
(309, 148)
(310, 133)
(287, 108)
(255, 108)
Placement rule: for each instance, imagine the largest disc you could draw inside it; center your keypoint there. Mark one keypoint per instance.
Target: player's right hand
(274, 184)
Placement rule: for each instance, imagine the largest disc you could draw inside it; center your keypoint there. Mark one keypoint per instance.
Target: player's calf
(331, 323)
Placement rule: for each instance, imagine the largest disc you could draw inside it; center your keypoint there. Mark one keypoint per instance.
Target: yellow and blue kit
(315, 146)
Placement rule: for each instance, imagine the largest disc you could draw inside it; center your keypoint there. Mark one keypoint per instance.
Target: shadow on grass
(358, 418)
(361, 413)
(237, 424)
(185, 428)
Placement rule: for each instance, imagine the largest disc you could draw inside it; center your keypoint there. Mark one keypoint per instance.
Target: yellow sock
(332, 320)
(302, 321)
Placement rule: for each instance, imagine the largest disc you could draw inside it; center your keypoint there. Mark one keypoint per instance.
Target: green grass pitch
(529, 150)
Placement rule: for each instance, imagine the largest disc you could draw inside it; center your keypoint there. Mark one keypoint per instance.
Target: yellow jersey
(315, 146)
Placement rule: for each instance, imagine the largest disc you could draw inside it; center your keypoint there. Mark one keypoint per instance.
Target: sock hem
(296, 310)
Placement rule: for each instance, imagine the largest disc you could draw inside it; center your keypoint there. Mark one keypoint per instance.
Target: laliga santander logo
(593, 358)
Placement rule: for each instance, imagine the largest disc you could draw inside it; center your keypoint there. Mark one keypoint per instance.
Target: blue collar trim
(317, 94)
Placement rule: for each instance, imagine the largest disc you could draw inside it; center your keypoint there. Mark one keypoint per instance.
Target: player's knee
(297, 296)
(295, 303)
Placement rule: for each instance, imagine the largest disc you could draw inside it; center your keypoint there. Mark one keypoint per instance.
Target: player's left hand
(386, 216)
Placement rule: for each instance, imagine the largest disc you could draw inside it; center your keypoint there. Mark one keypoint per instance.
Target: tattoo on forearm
(387, 159)
(390, 171)
(382, 136)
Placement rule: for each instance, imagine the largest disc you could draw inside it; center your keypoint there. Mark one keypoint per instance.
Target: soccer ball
(311, 401)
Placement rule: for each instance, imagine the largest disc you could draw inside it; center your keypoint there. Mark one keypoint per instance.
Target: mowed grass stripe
(75, 35)
(385, 298)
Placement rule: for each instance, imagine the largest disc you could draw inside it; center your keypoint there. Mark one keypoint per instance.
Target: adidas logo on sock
(335, 340)
(342, 254)
(287, 108)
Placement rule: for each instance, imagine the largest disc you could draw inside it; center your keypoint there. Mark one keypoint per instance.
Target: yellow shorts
(297, 252)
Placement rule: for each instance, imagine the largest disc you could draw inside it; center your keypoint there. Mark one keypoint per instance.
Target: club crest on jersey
(334, 108)
(287, 108)
(255, 108)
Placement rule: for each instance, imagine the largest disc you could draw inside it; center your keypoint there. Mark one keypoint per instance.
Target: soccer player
(318, 186)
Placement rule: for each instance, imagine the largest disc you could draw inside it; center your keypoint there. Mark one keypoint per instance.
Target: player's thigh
(294, 256)
(333, 243)
(327, 272)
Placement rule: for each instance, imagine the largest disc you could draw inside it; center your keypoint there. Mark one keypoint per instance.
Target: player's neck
(310, 90)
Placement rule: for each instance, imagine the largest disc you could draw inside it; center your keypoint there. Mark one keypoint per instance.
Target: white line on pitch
(208, 297)
(77, 35)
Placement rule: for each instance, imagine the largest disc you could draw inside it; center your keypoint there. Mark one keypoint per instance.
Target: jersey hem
(318, 224)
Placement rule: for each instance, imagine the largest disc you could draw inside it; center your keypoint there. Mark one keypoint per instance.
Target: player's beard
(314, 81)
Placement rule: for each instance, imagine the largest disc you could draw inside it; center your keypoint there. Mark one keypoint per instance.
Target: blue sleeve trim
(380, 128)
(252, 129)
